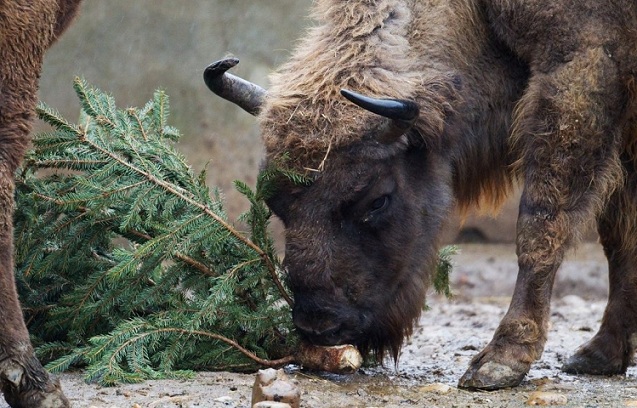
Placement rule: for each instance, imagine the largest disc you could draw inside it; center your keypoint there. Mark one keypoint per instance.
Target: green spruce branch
(134, 269)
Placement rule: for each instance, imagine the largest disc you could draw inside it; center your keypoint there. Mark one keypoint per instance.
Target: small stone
(540, 381)
(546, 398)
(271, 404)
(224, 399)
(473, 344)
(124, 393)
(437, 388)
(275, 386)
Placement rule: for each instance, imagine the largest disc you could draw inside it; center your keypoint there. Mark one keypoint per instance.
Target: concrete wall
(130, 48)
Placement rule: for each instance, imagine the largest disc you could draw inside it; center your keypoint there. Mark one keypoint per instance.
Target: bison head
(361, 238)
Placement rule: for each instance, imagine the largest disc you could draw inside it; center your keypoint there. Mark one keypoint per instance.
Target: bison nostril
(328, 331)
(316, 328)
(329, 336)
(318, 331)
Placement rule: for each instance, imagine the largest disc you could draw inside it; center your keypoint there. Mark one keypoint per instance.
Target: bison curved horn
(247, 95)
(402, 113)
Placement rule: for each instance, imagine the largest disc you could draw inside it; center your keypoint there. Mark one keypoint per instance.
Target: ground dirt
(448, 335)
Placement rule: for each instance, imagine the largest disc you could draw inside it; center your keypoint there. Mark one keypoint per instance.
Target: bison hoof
(49, 397)
(27, 384)
(491, 376)
(591, 362)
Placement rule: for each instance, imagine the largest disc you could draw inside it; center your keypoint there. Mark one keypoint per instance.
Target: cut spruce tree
(127, 263)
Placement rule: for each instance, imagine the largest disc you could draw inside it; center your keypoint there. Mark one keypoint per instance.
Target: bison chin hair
(395, 322)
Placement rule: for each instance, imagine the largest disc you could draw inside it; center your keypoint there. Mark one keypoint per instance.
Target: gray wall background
(130, 48)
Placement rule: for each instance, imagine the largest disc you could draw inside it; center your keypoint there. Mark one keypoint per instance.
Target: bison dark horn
(403, 113)
(245, 94)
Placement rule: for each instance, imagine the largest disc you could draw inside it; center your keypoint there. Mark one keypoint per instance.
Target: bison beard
(542, 92)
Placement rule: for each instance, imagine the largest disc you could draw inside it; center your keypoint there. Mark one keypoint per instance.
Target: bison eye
(379, 204)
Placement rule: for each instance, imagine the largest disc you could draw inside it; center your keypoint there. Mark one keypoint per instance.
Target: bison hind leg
(611, 350)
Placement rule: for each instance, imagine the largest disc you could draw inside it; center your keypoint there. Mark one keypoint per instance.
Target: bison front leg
(519, 339)
(568, 136)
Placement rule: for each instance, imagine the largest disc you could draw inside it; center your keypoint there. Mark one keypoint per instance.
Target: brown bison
(27, 29)
(400, 111)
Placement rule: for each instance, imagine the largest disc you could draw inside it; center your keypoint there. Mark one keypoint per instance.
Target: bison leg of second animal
(612, 349)
(568, 134)
(23, 380)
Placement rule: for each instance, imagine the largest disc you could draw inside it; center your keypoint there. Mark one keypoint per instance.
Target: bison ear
(401, 114)
(245, 94)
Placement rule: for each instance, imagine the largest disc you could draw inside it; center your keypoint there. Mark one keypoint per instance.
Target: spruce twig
(185, 196)
(263, 362)
(441, 279)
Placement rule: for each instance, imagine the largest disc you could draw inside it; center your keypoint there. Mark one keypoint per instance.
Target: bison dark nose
(319, 326)
(319, 334)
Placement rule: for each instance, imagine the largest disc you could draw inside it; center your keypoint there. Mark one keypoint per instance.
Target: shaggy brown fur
(539, 90)
(348, 50)
(27, 29)
(376, 48)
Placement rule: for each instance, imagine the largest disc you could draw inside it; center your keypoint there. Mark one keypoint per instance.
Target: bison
(27, 29)
(399, 111)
